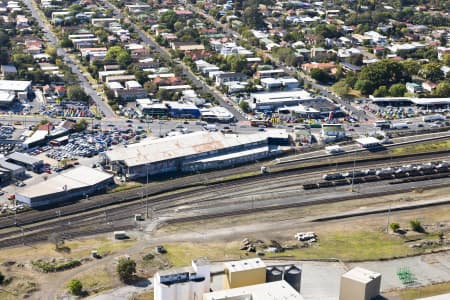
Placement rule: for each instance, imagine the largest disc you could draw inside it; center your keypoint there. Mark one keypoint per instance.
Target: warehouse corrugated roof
(150, 151)
(75, 178)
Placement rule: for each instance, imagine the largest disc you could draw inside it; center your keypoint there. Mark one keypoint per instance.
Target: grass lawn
(125, 186)
(182, 254)
(347, 247)
(144, 296)
(421, 292)
(362, 245)
(421, 148)
(98, 280)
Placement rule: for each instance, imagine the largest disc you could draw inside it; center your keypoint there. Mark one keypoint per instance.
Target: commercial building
(409, 101)
(183, 110)
(71, 185)
(189, 283)
(360, 284)
(244, 273)
(217, 114)
(14, 170)
(438, 297)
(11, 90)
(187, 152)
(277, 290)
(369, 142)
(29, 162)
(272, 101)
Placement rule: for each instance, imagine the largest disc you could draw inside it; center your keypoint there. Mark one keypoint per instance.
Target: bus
(257, 123)
(383, 124)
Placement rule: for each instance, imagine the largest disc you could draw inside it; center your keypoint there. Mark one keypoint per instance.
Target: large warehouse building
(76, 183)
(194, 152)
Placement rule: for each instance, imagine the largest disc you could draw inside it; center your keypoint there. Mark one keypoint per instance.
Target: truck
(433, 118)
(399, 126)
(120, 235)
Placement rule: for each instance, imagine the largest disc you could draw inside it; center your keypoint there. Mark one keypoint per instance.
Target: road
(186, 71)
(103, 106)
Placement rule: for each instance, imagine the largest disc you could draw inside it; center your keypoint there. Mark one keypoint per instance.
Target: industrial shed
(186, 152)
(71, 185)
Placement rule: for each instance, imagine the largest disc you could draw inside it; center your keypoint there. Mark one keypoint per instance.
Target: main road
(39, 17)
(146, 38)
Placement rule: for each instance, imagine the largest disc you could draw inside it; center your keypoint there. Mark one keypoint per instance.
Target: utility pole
(353, 174)
(388, 218)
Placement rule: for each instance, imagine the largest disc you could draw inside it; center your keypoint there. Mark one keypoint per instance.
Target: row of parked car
(6, 132)
(439, 165)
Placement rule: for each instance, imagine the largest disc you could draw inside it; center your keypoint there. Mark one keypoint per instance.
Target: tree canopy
(126, 269)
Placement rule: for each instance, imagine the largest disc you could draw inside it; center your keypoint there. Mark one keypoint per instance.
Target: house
(271, 83)
(318, 53)
(8, 70)
(429, 86)
(269, 73)
(376, 38)
(228, 77)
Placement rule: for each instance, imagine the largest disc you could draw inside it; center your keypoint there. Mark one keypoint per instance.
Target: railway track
(120, 216)
(196, 181)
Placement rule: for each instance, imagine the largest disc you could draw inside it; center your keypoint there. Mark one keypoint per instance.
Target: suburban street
(102, 106)
(323, 89)
(151, 43)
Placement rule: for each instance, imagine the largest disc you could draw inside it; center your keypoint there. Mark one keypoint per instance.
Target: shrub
(416, 225)
(394, 226)
(49, 267)
(75, 287)
(148, 257)
(2, 278)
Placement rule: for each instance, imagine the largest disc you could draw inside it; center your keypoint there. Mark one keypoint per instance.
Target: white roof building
(276, 290)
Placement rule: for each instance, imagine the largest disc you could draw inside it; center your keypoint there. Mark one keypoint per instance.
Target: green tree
(442, 89)
(245, 106)
(446, 59)
(126, 269)
(80, 125)
(253, 18)
(76, 92)
(75, 287)
(365, 86)
(381, 91)
(120, 55)
(411, 66)
(394, 226)
(416, 225)
(397, 90)
(432, 71)
(385, 72)
(341, 88)
(327, 30)
(320, 75)
(168, 19)
(66, 43)
(236, 63)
